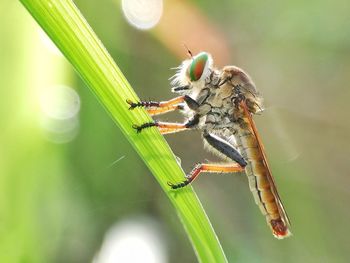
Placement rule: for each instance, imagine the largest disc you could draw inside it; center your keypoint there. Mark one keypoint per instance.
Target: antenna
(188, 50)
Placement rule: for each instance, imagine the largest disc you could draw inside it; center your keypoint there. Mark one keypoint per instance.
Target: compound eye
(197, 66)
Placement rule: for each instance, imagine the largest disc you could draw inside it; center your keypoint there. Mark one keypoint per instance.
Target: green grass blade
(68, 29)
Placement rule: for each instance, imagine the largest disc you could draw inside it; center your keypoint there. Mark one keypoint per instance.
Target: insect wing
(280, 206)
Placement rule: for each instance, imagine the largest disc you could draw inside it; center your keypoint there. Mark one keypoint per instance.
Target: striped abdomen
(261, 182)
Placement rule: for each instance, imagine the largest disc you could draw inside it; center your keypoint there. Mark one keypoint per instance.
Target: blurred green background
(73, 190)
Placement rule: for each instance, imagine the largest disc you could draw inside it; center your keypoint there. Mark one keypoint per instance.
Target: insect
(220, 103)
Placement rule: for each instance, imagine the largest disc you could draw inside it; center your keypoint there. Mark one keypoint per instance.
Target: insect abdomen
(260, 184)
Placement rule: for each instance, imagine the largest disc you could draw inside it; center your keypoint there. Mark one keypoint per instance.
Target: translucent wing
(273, 188)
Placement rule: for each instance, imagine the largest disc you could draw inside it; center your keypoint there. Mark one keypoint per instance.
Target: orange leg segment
(162, 110)
(164, 127)
(172, 130)
(156, 108)
(211, 168)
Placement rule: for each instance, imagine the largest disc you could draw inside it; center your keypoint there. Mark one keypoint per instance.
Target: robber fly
(220, 103)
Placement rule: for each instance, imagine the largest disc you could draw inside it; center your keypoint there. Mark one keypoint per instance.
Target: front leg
(191, 103)
(156, 108)
(194, 104)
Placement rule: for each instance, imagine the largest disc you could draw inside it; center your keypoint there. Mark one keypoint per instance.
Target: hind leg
(209, 168)
(224, 148)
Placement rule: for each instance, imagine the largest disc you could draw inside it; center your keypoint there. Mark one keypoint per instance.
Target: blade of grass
(68, 29)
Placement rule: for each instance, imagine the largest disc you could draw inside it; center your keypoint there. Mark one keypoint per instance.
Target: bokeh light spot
(60, 102)
(60, 106)
(133, 241)
(143, 14)
(60, 131)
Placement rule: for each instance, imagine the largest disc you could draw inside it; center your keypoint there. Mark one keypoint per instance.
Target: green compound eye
(197, 66)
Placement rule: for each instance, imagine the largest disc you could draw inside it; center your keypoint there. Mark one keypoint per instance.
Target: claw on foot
(178, 185)
(132, 104)
(139, 128)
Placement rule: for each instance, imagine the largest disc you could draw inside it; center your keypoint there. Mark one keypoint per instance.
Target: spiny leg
(211, 168)
(164, 127)
(155, 108)
(168, 127)
(224, 148)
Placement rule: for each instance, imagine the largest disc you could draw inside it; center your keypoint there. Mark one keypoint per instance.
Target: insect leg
(224, 148)
(190, 124)
(180, 88)
(211, 168)
(191, 103)
(155, 108)
(168, 127)
(201, 98)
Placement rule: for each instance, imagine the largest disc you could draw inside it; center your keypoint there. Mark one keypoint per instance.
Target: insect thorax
(216, 103)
